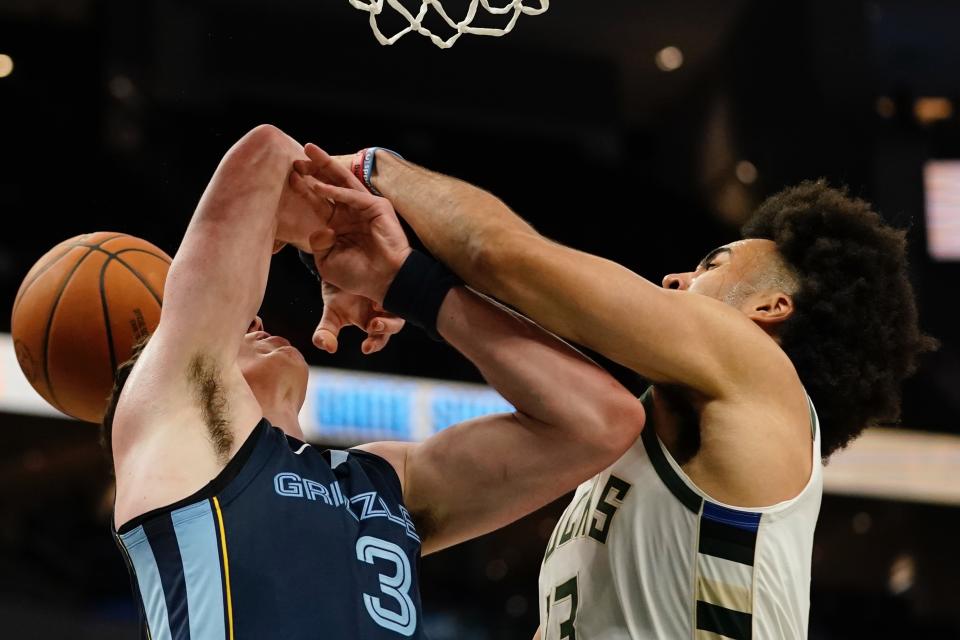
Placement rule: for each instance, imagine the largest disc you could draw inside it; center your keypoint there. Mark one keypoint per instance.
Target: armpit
(207, 385)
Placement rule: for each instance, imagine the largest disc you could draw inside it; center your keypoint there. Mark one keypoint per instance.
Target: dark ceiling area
(123, 109)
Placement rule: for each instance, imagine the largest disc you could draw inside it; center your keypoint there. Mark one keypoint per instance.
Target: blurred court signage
(16, 394)
(942, 194)
(359, 407)
(341, 407)
(347, 407)
(898, 464)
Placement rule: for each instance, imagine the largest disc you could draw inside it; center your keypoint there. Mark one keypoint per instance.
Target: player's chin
(288, 352)
(286, 365)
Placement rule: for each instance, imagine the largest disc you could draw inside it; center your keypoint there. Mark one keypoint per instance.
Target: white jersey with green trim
(642, 553)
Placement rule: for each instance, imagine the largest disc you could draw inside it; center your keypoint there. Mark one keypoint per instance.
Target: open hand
(363, 245)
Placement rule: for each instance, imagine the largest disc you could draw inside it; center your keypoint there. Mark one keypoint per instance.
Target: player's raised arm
(664, 335)
(219, 274)
(213, 290)
(572, 418)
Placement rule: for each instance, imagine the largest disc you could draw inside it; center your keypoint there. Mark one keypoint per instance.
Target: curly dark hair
(854, 334)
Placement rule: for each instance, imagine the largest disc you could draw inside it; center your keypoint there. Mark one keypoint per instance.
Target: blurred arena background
(641, 131)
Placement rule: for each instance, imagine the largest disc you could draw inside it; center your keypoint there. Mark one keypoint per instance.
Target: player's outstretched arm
(664, 335)
(572, 418)
(219, 274)
(216, 283)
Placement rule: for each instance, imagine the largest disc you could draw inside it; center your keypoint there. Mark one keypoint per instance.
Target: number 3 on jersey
(568, 629)
(397, 586)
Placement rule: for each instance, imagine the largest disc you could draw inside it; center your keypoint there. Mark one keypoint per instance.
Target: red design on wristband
(356, 166)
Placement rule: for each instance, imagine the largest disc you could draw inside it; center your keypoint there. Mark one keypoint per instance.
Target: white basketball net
(514, 7)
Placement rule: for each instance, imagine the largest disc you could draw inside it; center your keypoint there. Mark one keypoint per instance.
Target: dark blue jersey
(287, 543)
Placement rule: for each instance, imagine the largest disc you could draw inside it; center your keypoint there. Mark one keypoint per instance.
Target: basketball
(78, 313)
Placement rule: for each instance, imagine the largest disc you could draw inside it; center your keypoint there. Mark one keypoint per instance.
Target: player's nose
(678, 281)
(255, 325)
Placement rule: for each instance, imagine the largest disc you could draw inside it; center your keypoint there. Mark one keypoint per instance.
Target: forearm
(456, 221)
(583, 298)
(490, 248)
(231, 233)
(542, 377)
(572, 419)
(219, 274)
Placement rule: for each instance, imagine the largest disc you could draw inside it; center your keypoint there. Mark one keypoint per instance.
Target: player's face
(275, 370)
(726, 271)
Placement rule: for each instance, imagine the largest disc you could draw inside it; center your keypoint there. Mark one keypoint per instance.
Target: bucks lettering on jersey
(641, 553)
(589, 515)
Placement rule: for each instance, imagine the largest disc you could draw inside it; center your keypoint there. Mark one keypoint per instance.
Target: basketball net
(514, 7)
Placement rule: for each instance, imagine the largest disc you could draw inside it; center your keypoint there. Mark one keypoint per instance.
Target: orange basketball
(78, 313)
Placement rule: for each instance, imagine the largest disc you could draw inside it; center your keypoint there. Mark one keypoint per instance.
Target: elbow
(263, 143)
(621, 421)
(264, 136)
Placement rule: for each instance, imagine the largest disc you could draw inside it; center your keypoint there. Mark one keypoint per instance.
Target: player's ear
(770, 309)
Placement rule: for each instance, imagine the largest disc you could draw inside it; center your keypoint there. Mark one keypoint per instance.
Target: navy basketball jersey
(287, 543)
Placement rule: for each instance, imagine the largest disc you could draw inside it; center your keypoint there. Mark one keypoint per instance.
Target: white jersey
(642, 553)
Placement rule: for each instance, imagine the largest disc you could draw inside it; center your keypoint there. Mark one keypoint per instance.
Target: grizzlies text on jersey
(286, 543)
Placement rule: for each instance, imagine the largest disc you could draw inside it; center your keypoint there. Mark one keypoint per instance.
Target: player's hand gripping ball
(78, 313)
